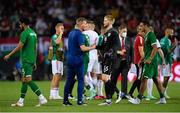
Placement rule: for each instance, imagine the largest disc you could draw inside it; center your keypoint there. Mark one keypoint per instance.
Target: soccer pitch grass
(10, 91)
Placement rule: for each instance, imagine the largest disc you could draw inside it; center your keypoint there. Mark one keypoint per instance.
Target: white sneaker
(134, 101)
(71, 98)
(55, 98)
(41, 102)
(58, 97)
(167, 96)
(118, 100)
(105, 104)
(18, 104)
(128, 96)
(161, 101)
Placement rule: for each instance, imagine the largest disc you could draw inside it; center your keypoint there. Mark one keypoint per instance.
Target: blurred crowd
(45, 14)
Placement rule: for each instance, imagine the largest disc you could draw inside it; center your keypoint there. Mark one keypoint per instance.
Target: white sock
(149, 87)
(95, 83)
(53, 92)
(89, 82)
(86, 80)
(101, 87)
(41, 96)
(21, 100)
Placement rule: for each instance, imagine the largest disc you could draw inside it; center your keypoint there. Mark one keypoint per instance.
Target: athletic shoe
(58, 97)
(71, 97)
(55, 98)
(161, 101)
(99, 97)
(103, 97)
(118, 100)
(151, 98)
(135, 101)
(18, 104)
(166, 96)
(81, 103)
(106, 103)
(128, 96)
(67, 103)
(42, 101)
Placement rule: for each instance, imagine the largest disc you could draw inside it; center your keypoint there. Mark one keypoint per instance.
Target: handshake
(122, 52)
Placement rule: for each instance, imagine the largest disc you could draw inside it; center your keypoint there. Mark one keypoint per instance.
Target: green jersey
(86, 54)
(86, 43)
(166, 46)
(150, 39)
(55, 46)
(100, 41)
(28, 53)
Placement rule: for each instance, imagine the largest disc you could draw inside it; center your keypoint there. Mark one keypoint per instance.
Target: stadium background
(44, 14)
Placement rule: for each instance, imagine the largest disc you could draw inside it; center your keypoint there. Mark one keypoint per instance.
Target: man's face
(21, 26)
(87, 27)
(171, 32)
(83, 25)
(123, 32)
(106, 22)
(141, 26)
(60, 29)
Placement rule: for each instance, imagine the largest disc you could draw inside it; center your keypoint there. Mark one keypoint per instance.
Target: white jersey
(93, 38)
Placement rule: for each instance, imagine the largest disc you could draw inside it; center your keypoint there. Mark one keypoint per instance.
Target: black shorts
(107, 66)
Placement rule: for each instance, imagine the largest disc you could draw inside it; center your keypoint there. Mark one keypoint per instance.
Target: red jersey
(139, 41)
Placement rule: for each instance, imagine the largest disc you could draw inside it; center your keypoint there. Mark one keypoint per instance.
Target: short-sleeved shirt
(139, 41)
(74, 53)
(166, 46)
(93, 38)
(86, 43)
(55, 46)
(28, 53)
(150, 40)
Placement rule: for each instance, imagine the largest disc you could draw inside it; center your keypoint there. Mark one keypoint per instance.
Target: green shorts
(27, 69)
(150, 71)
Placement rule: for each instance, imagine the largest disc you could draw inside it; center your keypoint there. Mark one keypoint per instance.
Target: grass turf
(10, 91)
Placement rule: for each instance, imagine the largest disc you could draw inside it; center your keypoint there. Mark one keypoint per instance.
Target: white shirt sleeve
(158, 44)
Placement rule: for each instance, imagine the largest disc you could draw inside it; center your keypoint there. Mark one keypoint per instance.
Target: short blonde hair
(110, 18)
(80, 19)
(58, 25)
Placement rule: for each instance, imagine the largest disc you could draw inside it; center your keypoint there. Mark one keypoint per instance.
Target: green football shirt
(86, 43)
(166, 46)
(54, 45)
(28, 53)
(150, 39)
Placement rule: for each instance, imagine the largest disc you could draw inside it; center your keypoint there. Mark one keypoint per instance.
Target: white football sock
(149, 87)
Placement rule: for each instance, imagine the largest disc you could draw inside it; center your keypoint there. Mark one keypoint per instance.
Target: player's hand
(139, 63)
(148, 61)
(124, 51)
(6, 57)
(93, 46)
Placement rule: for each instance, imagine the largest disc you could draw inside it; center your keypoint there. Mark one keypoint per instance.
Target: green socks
(34, 88)
(24, 88)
